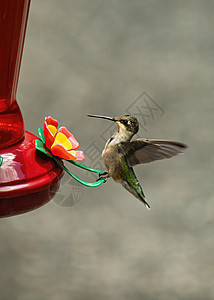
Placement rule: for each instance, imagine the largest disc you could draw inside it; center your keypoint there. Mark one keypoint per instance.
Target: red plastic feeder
(28, 179)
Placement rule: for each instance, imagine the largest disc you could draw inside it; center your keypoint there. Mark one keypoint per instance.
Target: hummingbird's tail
(142, 199)
(131, 183)
(137, 192)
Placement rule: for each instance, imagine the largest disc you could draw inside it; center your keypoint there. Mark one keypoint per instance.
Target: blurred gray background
(98, 57)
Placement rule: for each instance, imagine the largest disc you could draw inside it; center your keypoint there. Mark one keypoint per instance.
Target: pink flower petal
(70, 137)
(50, 121)
(50, 129)
(80, 155)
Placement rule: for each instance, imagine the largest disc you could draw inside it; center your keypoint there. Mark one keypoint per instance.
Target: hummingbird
(121, 153)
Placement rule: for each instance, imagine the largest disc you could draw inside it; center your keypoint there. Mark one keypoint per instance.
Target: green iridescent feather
(130, 181)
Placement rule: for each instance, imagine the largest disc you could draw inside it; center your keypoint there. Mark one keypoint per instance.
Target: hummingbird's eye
(125, 122)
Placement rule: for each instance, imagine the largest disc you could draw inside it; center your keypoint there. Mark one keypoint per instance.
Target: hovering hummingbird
(121, 153)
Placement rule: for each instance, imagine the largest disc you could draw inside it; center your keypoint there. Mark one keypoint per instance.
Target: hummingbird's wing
(143, 151)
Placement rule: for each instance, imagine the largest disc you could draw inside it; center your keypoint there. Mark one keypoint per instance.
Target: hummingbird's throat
(119, 136)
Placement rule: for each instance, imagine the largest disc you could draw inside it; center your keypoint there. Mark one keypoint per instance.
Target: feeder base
(28, 179)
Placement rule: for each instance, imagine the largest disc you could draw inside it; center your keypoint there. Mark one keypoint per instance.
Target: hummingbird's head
(127, 123)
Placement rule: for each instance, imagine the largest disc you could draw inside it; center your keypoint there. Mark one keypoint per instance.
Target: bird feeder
(28, 179)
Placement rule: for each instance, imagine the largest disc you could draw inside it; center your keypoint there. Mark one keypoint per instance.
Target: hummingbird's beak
(101, 117)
